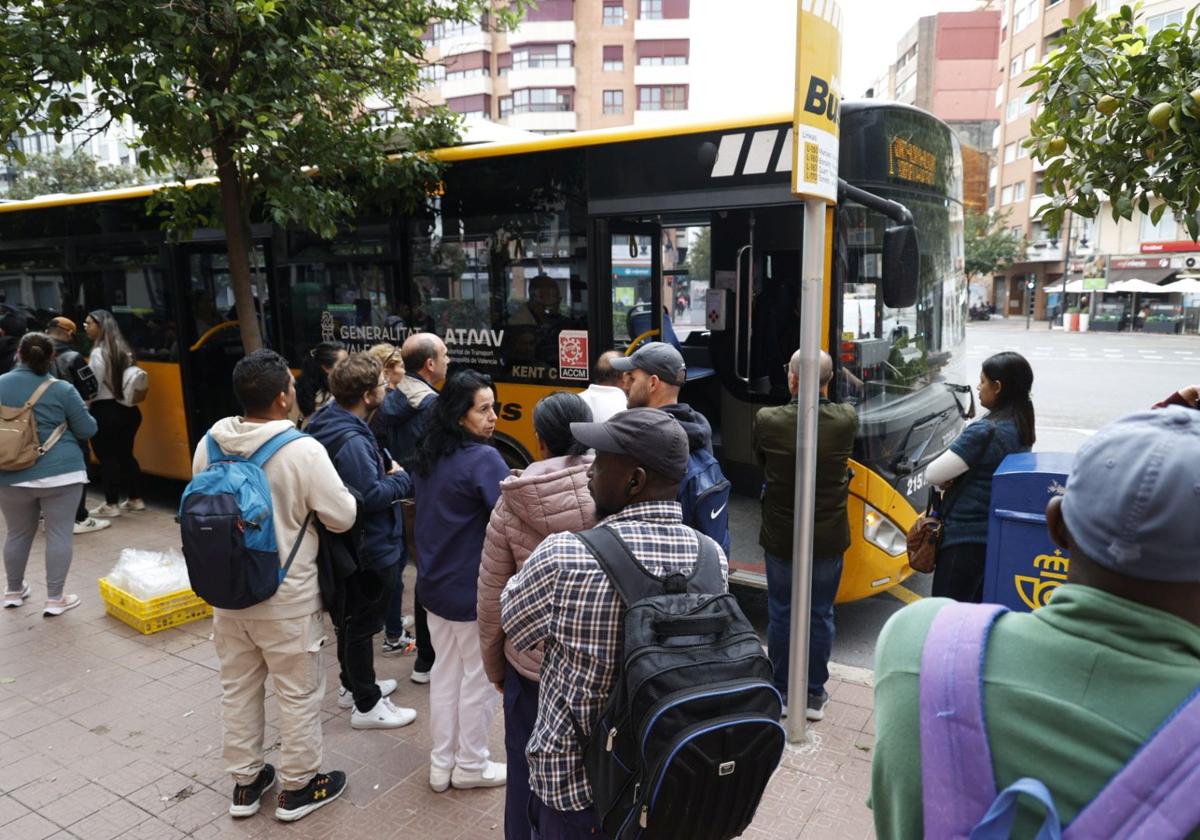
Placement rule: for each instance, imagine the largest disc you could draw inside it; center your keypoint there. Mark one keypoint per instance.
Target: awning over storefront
(1151, 273)
(1138, 286)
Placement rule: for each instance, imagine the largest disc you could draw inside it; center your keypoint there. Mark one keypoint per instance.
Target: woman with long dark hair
(51, 486)
(120, 473)
(548, 497)
(312, 388)
(458, 475)
(965, 472)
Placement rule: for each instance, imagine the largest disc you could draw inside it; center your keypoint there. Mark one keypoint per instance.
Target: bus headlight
(883, 533)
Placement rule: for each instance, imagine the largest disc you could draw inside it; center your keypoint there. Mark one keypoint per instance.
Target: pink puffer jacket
(548, 497)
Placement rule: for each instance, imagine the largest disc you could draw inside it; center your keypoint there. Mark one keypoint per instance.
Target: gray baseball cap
(651, 437)
(1132, 502)
(657, 359)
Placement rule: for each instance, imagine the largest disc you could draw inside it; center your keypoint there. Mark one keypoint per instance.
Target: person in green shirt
(1071, 691)
(775, 449)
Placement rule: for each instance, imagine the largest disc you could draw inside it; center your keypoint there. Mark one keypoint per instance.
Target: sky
(764, 32)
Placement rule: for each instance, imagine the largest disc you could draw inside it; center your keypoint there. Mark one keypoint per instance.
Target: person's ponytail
(1013, 372)
(36, 352)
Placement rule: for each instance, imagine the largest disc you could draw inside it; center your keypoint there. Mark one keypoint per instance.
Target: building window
(479, 105)
(614, 102)
(614, 58)
(542, 56)
(1164, 231)
(443, 30)
(650, 9)
(542, 100)
(1025, 14)
(1006, 195)
(909, 55)
(658, 53)
(1030, 57)
(1019, 191)
(432, 74)
(906, 86)
(1010, 152)
(458, 75)
(1039, 184)
(1013, 110)
(546, 10)
(1014, 69)
(506, 107)
(503, 63)
(614, 13)
(999, 96)
(662, 98)
(1156, 23)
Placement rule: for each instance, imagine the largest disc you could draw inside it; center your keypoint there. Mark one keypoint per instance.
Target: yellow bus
(536, 257)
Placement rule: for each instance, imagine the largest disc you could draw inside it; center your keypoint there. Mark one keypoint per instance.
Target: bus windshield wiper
(962, 389)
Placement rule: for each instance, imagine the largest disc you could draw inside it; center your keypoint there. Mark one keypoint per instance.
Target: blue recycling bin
(1024, 566)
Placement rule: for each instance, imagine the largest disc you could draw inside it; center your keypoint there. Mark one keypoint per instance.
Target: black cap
(649, 436)
(657, 359)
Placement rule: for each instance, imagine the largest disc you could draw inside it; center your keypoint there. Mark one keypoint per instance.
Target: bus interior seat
(640, 322)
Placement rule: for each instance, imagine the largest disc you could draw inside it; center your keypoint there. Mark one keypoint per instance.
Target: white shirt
(604, 401)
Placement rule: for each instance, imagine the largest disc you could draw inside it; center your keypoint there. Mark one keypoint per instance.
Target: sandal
(15, 599)
(58, 606)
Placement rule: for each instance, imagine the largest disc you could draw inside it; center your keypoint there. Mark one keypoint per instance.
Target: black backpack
(690, 735)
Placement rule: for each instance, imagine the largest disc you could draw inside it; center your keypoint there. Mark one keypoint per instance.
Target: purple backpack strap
(1155, 794)
(958, 783)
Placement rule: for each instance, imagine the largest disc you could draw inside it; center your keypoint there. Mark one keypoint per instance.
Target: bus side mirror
(901, 266)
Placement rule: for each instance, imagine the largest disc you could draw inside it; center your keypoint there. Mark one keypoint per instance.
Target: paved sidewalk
(106, 733)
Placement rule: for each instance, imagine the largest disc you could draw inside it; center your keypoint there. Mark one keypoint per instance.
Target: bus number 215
(915, 483)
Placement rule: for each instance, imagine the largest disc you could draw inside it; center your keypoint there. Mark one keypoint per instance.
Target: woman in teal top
(51, 487)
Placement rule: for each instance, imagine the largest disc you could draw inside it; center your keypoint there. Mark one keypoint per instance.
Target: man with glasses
(358, 386)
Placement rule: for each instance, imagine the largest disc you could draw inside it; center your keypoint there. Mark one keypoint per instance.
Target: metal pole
(1066, 267)
(812, 282)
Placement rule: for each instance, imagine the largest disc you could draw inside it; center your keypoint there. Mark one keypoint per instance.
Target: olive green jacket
(775, 450)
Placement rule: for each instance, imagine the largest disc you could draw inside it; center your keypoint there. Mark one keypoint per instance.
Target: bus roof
(452, 154)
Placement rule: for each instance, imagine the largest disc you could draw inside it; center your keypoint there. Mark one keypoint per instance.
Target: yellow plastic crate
(159, 613)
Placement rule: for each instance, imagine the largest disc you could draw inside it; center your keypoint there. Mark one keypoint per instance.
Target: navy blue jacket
(400, 422)
(361, 466)
(967, 521)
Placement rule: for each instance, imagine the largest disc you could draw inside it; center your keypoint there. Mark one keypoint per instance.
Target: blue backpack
(704, 495)
(227, 523)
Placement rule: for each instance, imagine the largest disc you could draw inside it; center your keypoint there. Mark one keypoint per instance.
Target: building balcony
(540, 77)
(666, 74)
(543, 32)
(1044, 251)
(461, 44)
(1037, 202)
(544, 121)
(667, 29)
(466, 87)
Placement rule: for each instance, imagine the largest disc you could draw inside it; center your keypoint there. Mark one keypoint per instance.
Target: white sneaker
(407, 622)
(346, 698)
(439, 779)
(492, 775)
(58, 606)
(132, 505)
(105, 511)
(91, 524)
(15, 599)
(383, 716)
(420, 677)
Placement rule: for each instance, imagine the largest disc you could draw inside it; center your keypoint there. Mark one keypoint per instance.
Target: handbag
(925, 535)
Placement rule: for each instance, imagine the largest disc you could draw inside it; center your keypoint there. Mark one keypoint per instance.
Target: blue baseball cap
(1132, 501)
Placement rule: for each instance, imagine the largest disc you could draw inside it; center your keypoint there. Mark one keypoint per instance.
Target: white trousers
(462, 702)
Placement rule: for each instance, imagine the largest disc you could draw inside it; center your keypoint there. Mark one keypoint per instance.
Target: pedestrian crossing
(1123, 355)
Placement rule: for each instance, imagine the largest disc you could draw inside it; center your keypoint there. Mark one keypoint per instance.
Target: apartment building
(946, 64)
(1089, 246)
(570, 65)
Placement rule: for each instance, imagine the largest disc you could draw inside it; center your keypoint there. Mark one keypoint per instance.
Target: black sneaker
(395, 645)
(246, 798)
(322, 789)
(816, 705)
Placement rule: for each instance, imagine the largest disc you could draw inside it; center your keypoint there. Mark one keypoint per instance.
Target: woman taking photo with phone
(120, 474)
(964, 473)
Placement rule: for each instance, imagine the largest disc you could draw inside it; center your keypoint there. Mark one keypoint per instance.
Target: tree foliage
(58, 173)
(988, 244)
(266, 91)
(1119, 119)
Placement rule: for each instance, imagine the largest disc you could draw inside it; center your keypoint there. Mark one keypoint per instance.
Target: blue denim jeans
(827, 574)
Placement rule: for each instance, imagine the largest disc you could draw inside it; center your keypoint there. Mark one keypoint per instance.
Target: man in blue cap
(1072, 691)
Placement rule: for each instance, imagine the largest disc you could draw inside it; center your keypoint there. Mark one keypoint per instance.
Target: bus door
(629, 292)
(209, 333)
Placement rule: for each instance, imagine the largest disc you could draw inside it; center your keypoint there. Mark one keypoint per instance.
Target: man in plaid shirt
(562, 599)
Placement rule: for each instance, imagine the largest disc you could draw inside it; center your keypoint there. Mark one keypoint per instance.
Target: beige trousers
(289, 650)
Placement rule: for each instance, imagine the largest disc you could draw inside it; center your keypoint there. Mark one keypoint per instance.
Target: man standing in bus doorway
(69, 366)
(775, 450)
(605, 396)
(655, 373)
(405, 414)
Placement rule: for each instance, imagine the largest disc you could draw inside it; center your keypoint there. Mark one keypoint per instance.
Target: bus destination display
(909, 162)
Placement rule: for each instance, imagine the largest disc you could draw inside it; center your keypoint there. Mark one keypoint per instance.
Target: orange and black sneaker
(321, 789)
(246, 797)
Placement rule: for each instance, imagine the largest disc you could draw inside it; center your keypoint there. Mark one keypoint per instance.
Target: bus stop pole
(812, 281)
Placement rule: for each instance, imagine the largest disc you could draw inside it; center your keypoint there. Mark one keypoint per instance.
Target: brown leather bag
(923, 539)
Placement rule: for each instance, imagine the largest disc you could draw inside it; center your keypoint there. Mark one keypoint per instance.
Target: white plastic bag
(149, 574)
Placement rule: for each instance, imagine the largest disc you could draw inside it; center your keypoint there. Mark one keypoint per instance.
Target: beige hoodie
(302, 479)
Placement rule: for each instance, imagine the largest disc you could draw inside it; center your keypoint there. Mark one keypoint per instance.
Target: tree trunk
(237, 243)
